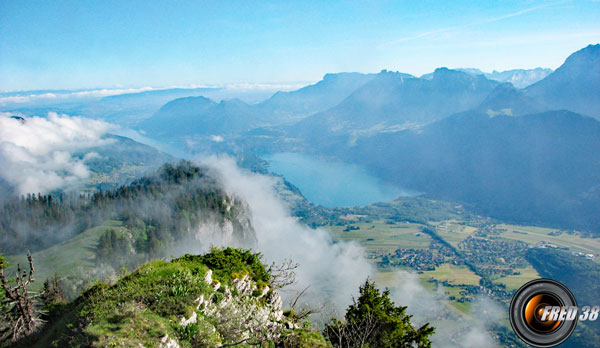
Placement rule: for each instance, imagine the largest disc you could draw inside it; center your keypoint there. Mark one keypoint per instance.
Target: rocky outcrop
(240, 311)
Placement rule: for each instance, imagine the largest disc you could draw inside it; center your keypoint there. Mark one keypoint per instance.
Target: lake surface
(331, 183)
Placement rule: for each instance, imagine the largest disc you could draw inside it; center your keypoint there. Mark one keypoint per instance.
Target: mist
(451, 329)
(333, 271)
(37, 153)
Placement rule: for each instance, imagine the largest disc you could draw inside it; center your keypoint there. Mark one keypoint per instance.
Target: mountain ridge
(574, 85)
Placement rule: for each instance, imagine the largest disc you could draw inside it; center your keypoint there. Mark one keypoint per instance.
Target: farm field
(514, 282)
(380, 236)
(453, 231)
(456, 275)
(533, 235)
(390, 279)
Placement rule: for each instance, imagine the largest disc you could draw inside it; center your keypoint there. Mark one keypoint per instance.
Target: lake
(332, 183)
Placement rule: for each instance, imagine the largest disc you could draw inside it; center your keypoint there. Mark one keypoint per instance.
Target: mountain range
(202, 116)
(528, 153)
(540, 168)
(519, 78)
(574, 85)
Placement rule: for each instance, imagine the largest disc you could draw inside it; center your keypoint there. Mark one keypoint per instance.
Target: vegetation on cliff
(224, 298)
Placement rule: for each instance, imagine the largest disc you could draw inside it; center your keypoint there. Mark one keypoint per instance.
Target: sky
(131, 43)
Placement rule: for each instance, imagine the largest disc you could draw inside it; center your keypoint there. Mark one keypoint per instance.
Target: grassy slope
(74, 256)
(378, 235)
(145, 305)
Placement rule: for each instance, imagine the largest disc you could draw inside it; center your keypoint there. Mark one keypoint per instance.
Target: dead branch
(22, 314)
(284, 274)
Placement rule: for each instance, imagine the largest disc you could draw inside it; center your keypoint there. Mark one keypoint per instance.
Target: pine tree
(53, 291)
(374, 321)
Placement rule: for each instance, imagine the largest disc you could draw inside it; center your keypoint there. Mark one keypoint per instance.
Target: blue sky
(88, 44)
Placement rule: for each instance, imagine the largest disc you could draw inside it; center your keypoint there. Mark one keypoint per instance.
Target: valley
(493, 251)
(451, 189)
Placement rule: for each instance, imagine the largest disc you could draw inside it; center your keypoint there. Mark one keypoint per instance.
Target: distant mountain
(507, 100)
(519, 78)
(124, 109)
(122, 161)
(540, 168)
(156, 97)
(130, 108)
(392, 101)
(575, 85)
(321, 96)
(202, 116)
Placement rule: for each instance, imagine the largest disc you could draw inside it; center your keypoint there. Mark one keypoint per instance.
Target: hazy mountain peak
(472, 71)
(195, 100)
(520, 78)
(328, 92)
(450, 78)
(507, 100)
(336, 76)
(587, 55)
(390, 73)
(575, 85)
(234, 101)
(441, 70)
(444, 73)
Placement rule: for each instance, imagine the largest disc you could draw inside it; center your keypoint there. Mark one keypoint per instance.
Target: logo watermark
(544, 313)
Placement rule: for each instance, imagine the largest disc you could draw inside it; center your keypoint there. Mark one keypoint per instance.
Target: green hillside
(222, 298)
(73, 259)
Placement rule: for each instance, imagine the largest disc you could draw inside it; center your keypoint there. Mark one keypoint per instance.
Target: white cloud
(452, 330)
(61, 96)
(334, 271)
(37, 154)
(216, 138)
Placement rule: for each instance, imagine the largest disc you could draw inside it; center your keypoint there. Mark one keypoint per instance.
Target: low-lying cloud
(452, 330)
(16, 98)
(37, 153)
(334, 271)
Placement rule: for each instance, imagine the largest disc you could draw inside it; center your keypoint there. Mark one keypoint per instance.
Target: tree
(374, 321)
(53, 292)
(22, 313)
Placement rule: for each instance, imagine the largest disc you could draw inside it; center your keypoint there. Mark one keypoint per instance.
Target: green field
(71, 257)
(532, 235)
(453, 232)
(388, 278)
(380, 236)
(515, 281)
(456, 275)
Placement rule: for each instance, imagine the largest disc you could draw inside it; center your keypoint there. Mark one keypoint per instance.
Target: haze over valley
(225, 181)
